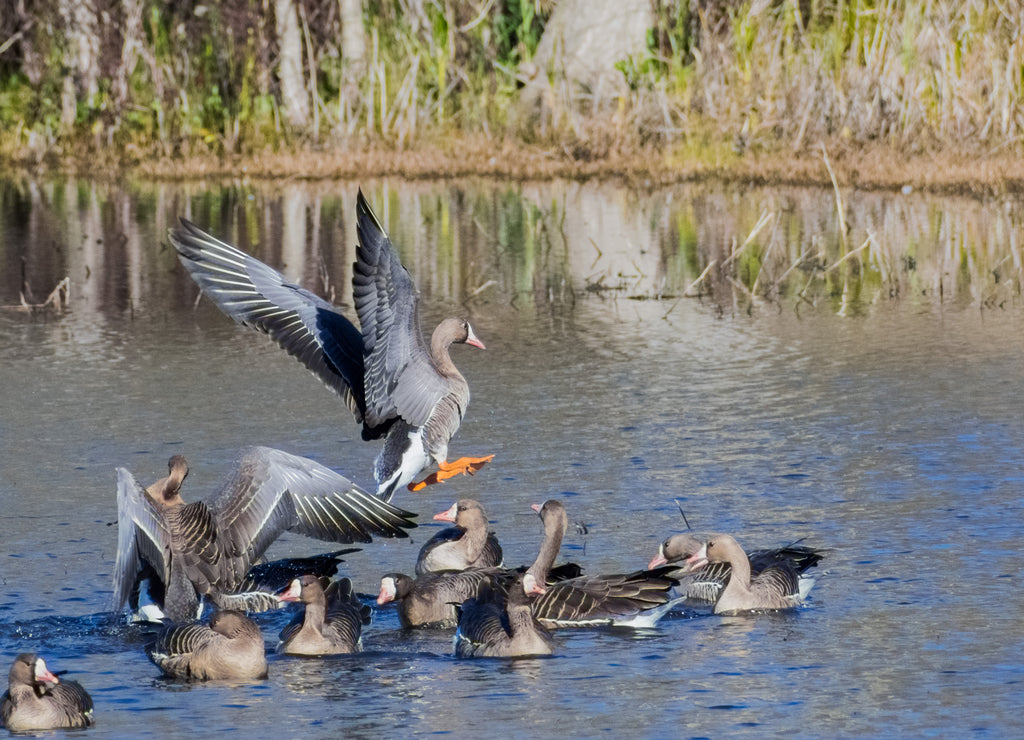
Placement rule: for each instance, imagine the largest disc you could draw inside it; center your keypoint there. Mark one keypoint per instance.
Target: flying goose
(705, 585)
(330, 623)
(397, 385)
(501, 627)
(466, 545)
(231, 646)
(779, 586)
(206, 548)
(37, 700)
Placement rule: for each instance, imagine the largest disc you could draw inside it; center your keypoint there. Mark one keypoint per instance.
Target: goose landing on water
(206, 548)
(396, 385)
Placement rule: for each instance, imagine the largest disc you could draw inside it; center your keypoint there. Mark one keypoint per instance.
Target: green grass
(726, 81)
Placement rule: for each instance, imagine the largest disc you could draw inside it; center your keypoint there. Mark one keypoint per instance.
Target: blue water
(892, 436)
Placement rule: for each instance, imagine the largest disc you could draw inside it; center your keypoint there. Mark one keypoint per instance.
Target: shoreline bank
(879, 168)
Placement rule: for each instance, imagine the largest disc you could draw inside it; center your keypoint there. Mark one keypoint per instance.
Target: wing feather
(271, 491)
(400, 379)
(142, 537)
(602, 599)
(256, 295)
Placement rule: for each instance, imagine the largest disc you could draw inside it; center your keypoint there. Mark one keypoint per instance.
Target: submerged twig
(846, 256)
(58, 299)
(840, 207)
(761, 222)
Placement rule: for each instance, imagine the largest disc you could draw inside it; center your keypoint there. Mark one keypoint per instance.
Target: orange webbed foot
(446, 470)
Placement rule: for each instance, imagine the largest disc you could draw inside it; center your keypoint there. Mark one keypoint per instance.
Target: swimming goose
(37, 700)
(331, 622)
(148, 593)
(502, 627)
(429, 601)
(231, 646)
(206, 548)
(705, 585)
(393, 382)
(637, 599)
(779, 586)
(466, 545)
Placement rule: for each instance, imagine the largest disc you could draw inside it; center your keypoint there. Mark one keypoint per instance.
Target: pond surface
(781, 376)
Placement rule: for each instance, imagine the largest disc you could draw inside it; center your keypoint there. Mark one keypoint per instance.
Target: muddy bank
(878, 168)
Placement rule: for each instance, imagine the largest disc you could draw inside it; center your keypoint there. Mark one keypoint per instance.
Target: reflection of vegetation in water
(545, 244)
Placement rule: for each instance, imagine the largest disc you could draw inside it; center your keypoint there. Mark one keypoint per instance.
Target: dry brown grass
(877, 168)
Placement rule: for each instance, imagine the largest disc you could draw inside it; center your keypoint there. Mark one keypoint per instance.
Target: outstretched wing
(400, 379)
(270, 491)
(256, 295)
(142, 537)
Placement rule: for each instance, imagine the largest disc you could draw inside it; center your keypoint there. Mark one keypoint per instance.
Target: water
(875, 413)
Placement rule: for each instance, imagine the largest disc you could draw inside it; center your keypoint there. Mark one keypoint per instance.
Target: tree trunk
(353, 35)
(582, 42)
(353, 58)
(289, 66)
(81, 32)
(131, 47)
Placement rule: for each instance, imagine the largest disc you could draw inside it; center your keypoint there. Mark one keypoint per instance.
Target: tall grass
(718, 81)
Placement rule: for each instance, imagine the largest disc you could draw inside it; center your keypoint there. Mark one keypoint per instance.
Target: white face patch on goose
(531, 586)
(293, 592)
(42, 673)
(388, 590)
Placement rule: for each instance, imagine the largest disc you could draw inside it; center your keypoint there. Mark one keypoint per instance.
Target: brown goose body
(429, 600)
(231, 646)
(776, 587)
(396, 385)
(500, 627)
(706, 584)
(330, 624)
(468, 544)
(639, 598)
(37, 700)
(207, 548)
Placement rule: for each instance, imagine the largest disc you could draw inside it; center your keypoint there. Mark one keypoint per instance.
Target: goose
(231, 646)
(503, 627)
(396, 385)
(148, 593)
(430, 599)
(466, 545)
(331, 622)
(779, 586)
(37, 700)
(637, 599)
(206, 548)
(705, 585)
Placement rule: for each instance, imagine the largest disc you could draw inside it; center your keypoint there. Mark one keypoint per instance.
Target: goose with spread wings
(206, 548)
(396, 384)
